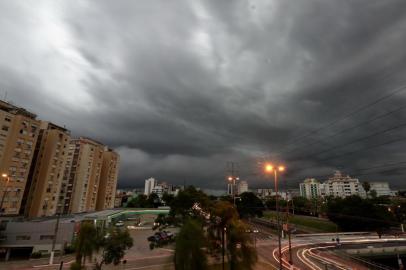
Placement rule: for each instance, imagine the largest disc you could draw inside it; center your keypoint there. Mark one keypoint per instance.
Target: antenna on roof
(5, 96)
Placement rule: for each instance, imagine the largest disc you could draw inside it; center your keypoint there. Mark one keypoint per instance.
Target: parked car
(119, 223)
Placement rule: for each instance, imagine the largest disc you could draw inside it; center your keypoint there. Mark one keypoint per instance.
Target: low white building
(264, 192)
(242, 187)
(381, 188)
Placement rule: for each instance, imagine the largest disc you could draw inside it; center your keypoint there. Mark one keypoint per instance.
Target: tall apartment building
(108, 180)
(47, 169)
(340, 185)
(242, 187)
(18, 135)
(82, 176)
(149, 185)
(311, 188)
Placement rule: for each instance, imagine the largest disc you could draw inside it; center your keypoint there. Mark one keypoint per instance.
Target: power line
(362, 108)
(403, 125)
(368, 148)
(354, 127)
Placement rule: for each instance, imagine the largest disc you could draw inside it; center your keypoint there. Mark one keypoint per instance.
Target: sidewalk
(41, 263)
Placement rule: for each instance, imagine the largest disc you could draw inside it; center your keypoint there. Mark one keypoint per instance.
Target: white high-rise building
(242, 187)
(149, 185)
(381, 188)
(343, 186)
(311, 188)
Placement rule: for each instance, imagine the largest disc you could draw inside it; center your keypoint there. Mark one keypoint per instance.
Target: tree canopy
(250, 205)
(354, 213)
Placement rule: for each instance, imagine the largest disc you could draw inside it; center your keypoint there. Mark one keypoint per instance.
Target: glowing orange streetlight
(4, 175)
(269, 168)
(232, 179)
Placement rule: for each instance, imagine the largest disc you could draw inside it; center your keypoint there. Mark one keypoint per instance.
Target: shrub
(69, 249)
(75, 266)
(36, 255)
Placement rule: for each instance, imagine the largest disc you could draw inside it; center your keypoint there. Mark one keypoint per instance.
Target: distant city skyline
(179, 89)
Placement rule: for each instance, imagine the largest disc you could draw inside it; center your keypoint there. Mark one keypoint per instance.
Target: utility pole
(288, 226)
(222, 244)
(232, 179)
(51, 258)
(278, 220)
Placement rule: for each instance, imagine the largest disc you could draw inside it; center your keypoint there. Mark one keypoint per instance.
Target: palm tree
(241, 253)
(367, 187)
(87, 242)
(189, 253)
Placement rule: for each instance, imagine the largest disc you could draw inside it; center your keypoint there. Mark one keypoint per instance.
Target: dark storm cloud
(180, 88)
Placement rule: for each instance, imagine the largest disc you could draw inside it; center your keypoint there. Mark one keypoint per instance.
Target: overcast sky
(180, 88)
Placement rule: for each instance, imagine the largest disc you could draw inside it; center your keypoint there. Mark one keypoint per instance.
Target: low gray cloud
(180, 88)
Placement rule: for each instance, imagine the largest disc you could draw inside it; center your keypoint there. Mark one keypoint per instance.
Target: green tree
(366, 186)
(301, 205)
(356, 214)
(182, 204)
(114, 247)
(373, 194)
(250, 205)
(87, 242)
(189, 253)
(153, 200)
(241, 252)
(141, 201)
(168, 198)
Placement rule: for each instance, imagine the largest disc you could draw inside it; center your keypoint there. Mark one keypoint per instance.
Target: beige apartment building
(108, 180)
(82, 176)
(18, 135)
(45, 179)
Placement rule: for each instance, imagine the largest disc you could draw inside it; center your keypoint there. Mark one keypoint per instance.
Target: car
(151, 238)
(169, 234)
(119, 223)
(162, 235)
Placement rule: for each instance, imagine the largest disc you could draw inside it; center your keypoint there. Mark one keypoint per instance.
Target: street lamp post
(5, 176)
(232, 179)
(269, 168)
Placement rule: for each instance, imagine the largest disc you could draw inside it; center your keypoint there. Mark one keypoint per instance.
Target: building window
(23, 237)
(46, 237)
(5, 128)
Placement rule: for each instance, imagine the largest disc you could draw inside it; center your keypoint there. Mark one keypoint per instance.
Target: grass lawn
(312, 223)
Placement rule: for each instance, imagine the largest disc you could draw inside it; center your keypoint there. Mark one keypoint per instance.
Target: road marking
(307, 261)
(55, 264)
(167, 249)
(149, 266)
(336, 263)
